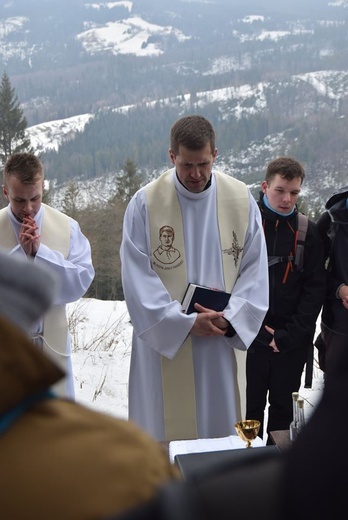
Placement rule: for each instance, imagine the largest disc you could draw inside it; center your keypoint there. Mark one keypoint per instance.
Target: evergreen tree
(71, 199)
(103, 227)
(13, 124)
(128, 182)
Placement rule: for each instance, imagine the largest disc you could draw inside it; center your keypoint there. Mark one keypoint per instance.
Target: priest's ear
(171, 156)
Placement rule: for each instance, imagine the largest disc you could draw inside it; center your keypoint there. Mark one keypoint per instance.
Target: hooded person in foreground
(59, 460)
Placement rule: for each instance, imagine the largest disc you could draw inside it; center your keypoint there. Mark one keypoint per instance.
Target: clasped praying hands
(29, 237)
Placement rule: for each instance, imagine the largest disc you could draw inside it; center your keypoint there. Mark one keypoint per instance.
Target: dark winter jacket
(60, 460)
(333, 228)
(295, 296)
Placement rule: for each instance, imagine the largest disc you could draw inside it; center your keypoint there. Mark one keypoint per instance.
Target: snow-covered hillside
(271, 75)
(247, 99)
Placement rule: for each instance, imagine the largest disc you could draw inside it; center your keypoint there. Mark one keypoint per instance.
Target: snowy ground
(101, 345)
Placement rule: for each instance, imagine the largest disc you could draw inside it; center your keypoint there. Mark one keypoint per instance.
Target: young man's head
(192, 151)
(23, 184)
(282, 184)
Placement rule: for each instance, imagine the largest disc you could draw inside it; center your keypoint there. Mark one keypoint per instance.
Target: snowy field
(101, 345)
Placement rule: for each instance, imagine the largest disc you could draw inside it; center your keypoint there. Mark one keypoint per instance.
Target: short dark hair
(193, 132)
(26, 166)
(286, 167)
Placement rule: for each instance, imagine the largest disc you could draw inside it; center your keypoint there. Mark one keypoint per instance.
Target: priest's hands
(29, 237)
(209, 322)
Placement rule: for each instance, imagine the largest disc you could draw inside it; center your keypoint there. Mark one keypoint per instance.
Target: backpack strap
(272, 260)
(302, 226)
(300, 238)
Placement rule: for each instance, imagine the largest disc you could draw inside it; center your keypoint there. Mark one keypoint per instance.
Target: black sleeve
(230, 331)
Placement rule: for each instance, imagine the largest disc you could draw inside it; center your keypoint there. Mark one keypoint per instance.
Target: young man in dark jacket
(276, 359)
(333, 228)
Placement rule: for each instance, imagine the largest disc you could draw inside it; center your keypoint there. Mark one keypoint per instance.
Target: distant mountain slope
(101, 82)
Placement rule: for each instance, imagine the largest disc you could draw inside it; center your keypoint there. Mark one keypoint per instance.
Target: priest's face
(193, 167)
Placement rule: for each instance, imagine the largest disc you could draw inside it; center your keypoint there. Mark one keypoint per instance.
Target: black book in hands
(209, 298)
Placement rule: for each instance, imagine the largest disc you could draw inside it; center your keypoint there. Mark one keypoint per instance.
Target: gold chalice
(248, 430)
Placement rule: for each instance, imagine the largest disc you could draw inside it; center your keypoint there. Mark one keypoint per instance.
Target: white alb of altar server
(68, 257)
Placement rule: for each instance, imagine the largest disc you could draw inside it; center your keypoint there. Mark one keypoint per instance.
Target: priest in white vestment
(187, 373)
(41, 234)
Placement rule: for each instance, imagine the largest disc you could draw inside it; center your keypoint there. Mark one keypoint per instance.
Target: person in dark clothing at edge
(305, 482)
(333, 228)
(276, 358)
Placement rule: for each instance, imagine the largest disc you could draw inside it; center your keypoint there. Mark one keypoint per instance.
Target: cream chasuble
(55, 233)
(165, 214)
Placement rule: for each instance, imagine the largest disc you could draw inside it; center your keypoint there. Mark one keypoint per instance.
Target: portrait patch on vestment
(166, 254)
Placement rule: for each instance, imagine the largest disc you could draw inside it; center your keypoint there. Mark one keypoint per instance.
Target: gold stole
(233, 217)
(55, 234)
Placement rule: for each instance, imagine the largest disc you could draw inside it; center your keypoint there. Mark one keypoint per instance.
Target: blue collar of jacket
(269, 214)
(8, 418)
